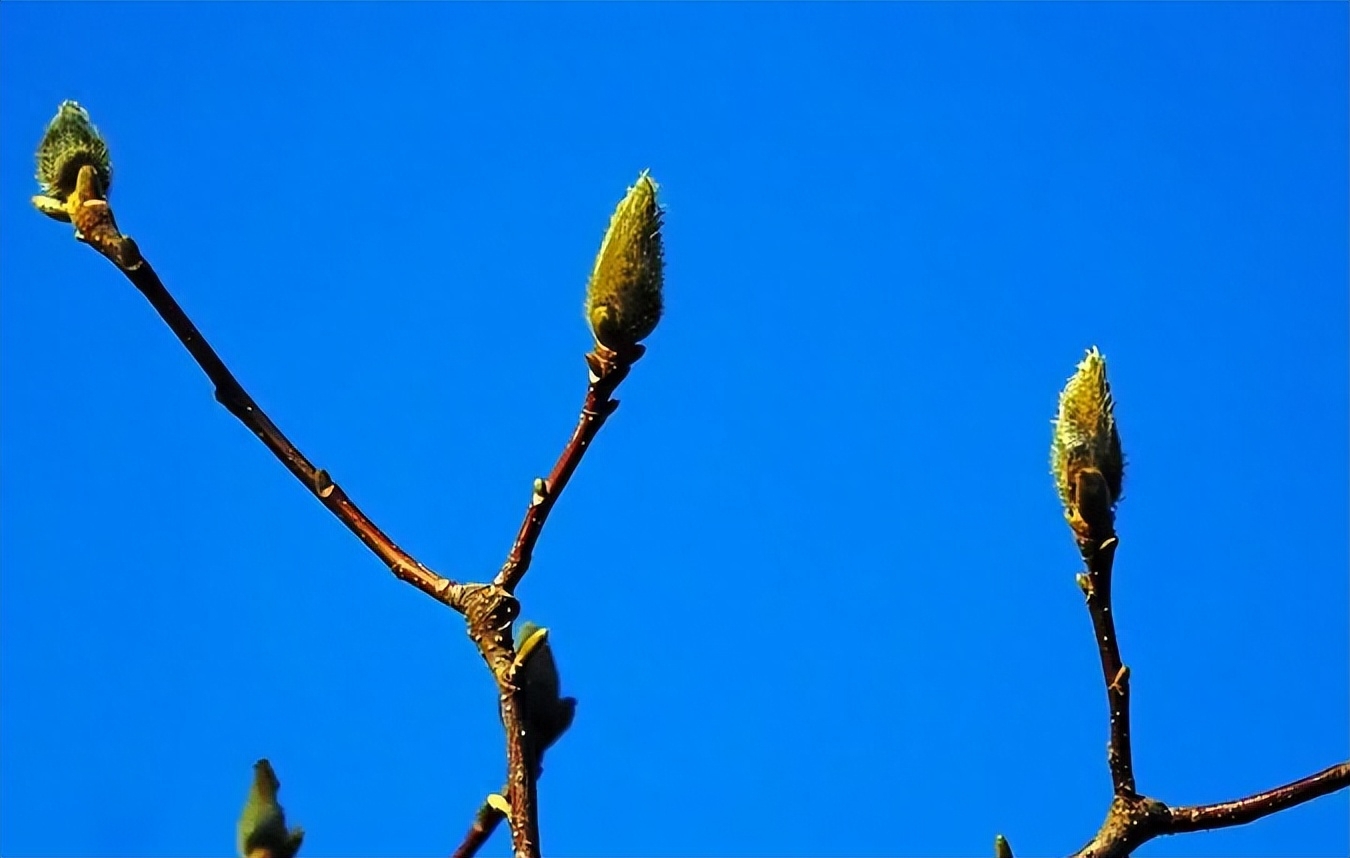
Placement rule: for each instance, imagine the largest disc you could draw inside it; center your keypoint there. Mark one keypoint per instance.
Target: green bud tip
(1085, 434)
(262, 825)
(1001, 847)
(71, 142)
(623, 297)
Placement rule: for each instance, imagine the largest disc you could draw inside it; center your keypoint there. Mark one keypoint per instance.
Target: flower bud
(262, 825)
(1086, 442)
(623, 297)
(70, 142)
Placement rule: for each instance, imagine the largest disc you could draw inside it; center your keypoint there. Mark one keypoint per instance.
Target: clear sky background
(812, 585)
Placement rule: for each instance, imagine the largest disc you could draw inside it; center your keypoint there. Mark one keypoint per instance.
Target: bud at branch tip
(623, 297)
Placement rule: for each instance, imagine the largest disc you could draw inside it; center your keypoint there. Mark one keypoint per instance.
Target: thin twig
(1133, 821)
(485, 822)
(608, 368)
(489, 609)
(231, 394)
(1207, 817)
(1097, 586)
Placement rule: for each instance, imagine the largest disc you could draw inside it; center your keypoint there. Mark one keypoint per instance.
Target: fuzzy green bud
(70, 142)
(262, 826)
(1085, 437)
(623, 297)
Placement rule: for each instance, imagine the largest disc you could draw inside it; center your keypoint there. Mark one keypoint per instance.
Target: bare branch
(1100, 556)
(1207, 817)
(608, 369)
(485, 822)
(1134, 820)
(101, 234)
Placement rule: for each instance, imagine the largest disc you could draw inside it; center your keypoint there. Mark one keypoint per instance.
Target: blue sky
(813, 576)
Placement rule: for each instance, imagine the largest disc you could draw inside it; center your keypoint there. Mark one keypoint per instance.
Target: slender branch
(485, 822)
(489, 609)
(608, 369)
(1207, 817)
(231, 394)
(1134, 820)
(1097, 586)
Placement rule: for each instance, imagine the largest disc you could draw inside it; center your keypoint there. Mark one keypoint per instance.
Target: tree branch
(1134, 820)
(623, 306)
(485, 822)
(489, 609)
(608, 369)
(99, 231)
(1096, 585)
(1207, 817)
(1093, 521)
(521, 775)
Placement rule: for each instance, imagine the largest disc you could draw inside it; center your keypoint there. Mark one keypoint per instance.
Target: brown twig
(1207, 817)
(1135, 820)
(1097, 587)
(608, 368)
(489, 609)
(1093, 523)
(485, 822)
(101, 234)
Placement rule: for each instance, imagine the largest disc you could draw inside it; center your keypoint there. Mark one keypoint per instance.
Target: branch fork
(489, 609)
(1088, 466)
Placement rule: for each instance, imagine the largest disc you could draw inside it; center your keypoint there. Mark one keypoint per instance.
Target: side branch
(608, 369)
(485, 822)
(1207, 817)
(230, 393)
(1135, 820)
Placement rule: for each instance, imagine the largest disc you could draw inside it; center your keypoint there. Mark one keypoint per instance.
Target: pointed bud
(623, 298)
(1085, 451)
(262, 826)
(1001, 847)
(70, 142)
(547, 713)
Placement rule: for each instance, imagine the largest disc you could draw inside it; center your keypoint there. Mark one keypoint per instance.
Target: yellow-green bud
(262, 825)
(1085, 434)
(623, 298)
(70, 142)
